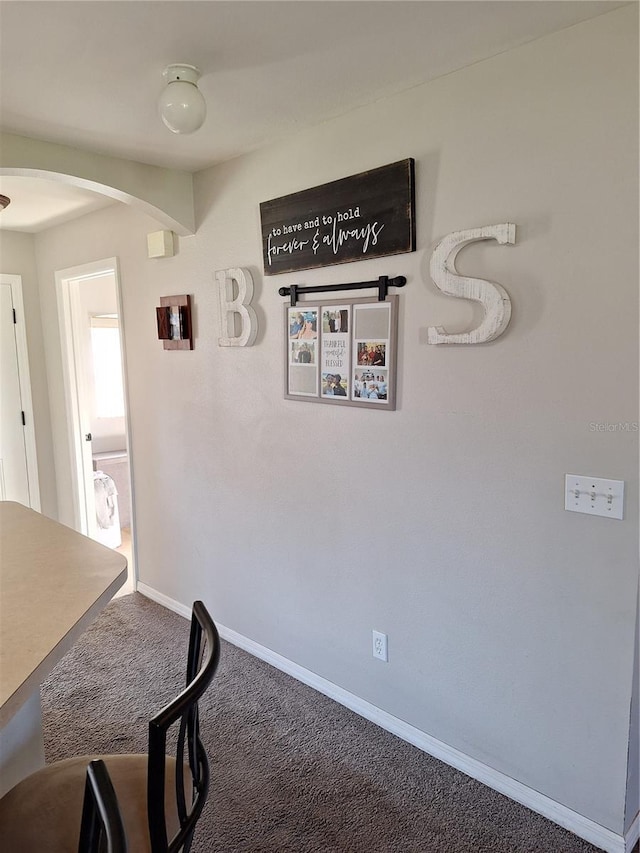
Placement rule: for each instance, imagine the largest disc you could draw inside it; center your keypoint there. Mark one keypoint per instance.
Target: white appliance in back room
(113, 496)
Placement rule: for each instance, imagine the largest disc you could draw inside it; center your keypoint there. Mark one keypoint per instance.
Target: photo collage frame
(342, 352)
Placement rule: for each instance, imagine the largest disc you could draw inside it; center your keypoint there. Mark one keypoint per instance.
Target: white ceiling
(38, 203)
(88, 74)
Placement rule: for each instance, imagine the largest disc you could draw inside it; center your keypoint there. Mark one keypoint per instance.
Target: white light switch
(594, 496)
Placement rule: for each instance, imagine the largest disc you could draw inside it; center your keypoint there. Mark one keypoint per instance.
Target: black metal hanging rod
(383, 284)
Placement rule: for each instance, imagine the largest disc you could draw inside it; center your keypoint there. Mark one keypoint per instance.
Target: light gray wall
(510, 621)
(114, 231)
(17, 257)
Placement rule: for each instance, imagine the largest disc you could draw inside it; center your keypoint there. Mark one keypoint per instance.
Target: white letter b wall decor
(238, 307)
(493, 297)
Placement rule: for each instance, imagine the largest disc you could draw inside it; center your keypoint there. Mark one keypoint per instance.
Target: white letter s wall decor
(492, 296)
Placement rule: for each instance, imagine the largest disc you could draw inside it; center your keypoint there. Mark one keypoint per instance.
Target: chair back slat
(202, 662)
(180, 795)
(101, 821)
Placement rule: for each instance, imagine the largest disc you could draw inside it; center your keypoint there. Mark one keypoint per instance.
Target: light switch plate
(594, 496)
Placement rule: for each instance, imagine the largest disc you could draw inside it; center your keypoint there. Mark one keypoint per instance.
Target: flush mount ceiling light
(5, 201)
(181, 105)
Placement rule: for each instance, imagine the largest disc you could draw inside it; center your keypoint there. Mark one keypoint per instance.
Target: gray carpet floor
(292, 771)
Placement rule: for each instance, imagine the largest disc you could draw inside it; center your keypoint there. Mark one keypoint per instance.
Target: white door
(82, 370)
(18, 465)
(80, 290)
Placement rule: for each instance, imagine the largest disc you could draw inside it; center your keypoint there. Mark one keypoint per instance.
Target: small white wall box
(160, 244)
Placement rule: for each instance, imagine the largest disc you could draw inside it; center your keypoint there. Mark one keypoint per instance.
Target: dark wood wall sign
(369, 215)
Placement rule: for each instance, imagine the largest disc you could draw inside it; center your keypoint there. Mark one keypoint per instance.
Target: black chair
(101, 829)
(161, 795)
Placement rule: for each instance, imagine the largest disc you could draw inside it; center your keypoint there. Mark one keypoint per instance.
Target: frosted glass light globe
(181, 105)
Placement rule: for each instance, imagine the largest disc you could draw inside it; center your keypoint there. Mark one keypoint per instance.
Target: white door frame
(15, 283)
(67, 290)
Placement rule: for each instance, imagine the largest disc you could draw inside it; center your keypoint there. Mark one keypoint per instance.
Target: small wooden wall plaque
(174, 322)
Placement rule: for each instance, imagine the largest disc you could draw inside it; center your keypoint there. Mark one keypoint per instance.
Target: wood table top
(53, 583)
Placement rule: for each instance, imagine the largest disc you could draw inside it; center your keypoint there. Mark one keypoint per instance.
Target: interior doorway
(18, 462)
(95, 387)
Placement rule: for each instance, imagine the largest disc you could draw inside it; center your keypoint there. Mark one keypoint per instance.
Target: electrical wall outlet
(380, 647)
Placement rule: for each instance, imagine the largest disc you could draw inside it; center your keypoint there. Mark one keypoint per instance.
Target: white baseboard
(581, 826)
(633, 834)
(164, 600)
